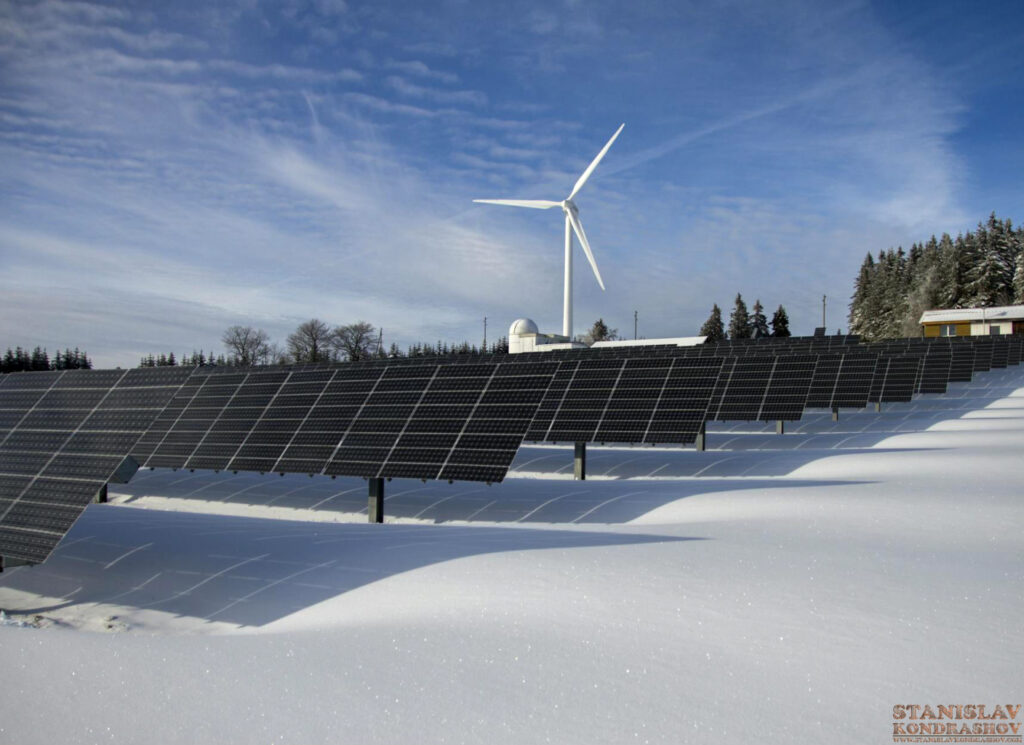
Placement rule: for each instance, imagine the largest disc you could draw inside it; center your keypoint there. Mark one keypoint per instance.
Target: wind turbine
(572, 225)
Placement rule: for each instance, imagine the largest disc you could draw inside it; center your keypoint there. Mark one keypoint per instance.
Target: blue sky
(171, 169)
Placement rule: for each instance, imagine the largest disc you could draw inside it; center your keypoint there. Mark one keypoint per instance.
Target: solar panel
(651, 400)
(935, 371)
(682, 405)
(584, 400)
(65, 434)
(842, 380)
(495, 429)
(1000, 353)
(551, 401)
(449, 421)
(69, 433)
(982, 354)
(787, 389)
(1013, 351)
(895, 378)
(741, 389)
(961, 367)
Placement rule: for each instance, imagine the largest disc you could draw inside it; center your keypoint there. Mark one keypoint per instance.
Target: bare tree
(274, 355)
(310, 342)
(356, 341)
(245, 345)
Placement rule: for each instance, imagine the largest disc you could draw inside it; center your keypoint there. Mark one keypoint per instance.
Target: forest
(983, 268)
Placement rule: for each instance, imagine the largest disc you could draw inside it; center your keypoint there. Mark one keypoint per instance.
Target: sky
(168, 170)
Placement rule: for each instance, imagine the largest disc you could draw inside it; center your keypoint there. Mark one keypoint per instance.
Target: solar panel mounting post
(579, 461)
(375, 504)
(835, 413)
(7, 562)
(101, 495)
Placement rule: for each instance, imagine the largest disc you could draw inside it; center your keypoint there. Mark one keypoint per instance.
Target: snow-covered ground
(773, 589)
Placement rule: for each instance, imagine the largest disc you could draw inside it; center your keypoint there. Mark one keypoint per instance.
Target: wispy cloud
(437, 95)
(171, 171)
(420, 69)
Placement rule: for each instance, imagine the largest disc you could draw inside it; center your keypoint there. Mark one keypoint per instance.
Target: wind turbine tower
(572, 226)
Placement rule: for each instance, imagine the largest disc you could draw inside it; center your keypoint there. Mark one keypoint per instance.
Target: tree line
(314, 341)
(744, 324)
(979, 269)
(21, 360)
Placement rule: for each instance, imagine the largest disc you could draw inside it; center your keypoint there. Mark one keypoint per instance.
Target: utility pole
(823, 324)
(634, 325)
(485, 335)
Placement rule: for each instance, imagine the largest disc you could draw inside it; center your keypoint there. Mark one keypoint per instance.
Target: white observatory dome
(523, 326)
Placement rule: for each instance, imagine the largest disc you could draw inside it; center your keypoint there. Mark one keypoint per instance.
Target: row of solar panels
(64, 435)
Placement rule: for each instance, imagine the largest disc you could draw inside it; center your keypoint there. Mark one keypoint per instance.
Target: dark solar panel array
(761, 388)
(1014, 347)
(895, 378)
(425, 421)
(626, 400)
(1000, 355)
(982, 355)
(961, 368)
(842, 380)
(63, 436)
(935, 371)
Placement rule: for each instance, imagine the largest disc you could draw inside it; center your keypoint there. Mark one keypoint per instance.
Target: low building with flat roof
(1008, 319)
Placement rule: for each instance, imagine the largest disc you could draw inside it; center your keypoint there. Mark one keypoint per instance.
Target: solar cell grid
(1013, 354)
(935, 371)
(742, 393)
(999, 353)
(982, 355)
(962, 362)
(895, 378)
(447, 418)
(67, 446)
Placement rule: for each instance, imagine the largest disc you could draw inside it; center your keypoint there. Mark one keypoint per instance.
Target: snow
(773, 589)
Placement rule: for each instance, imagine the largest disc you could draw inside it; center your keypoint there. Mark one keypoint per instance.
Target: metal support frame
(101, 495)
(835, 413)
(701, 443)
(375, 504)
(780, 427)
(579, 461)
(9, 562)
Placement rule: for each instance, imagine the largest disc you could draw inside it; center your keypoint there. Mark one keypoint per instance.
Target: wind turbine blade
(537, 204)
(577, 228)
(593, 164)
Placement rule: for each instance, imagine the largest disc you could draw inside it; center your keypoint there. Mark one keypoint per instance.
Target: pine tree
(857, 318)
(758, 322)
(713, 328)
(925, 287)
(990, 276)
(889, 301)
(1018, 281)
(40, 360)
(780, 323)
(598, 332)
(739, 320)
